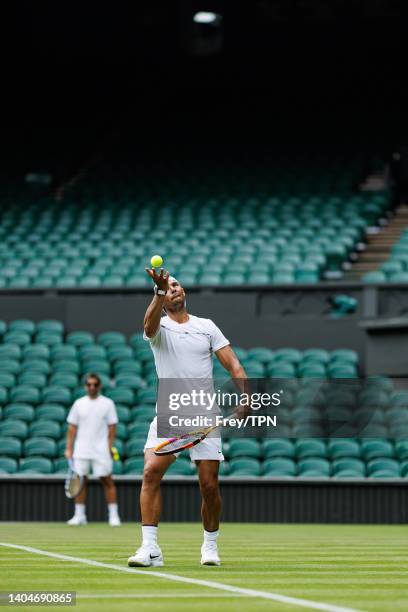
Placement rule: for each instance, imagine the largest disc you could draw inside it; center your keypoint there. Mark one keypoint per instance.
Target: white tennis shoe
(148, 555)
(114, 521)
(77, 520)
(209, 554)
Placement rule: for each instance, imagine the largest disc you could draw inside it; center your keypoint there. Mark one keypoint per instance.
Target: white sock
(113, 509)
(211, 536)
(149, 533)
(80, 510)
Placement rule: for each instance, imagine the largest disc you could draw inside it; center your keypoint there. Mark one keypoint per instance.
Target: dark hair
(93, 375)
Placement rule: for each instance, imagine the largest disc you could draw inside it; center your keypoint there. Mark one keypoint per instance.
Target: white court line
(295, 601)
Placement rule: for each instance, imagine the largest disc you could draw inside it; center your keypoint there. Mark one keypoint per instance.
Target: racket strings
(182, 442)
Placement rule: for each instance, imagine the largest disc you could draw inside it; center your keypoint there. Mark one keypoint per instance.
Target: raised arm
(153, 313)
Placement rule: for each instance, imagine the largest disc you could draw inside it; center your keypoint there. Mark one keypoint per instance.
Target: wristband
(158, 291)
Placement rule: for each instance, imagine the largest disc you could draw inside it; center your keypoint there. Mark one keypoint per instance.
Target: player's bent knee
(153, 473)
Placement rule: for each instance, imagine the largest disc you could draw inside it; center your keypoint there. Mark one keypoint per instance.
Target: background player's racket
(73, 482)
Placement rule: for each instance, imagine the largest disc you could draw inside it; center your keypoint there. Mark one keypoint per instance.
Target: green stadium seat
(35, 366)
(383, 468)
(22, 412)
(315, 356)
(263, 355)
(138, 429)
(7, 380)
(344, 356)
(279, 467)
(17, 337)
(117, 468)
(41, 447)
(10, 351)
(373, 449)
(60, 465)
(135, 446)
(348, 467)
(32, 379)
(50, 325)
(121, 431)
(340, 448)
(278, 447)
(14, 428)
(22, 325)
(374, 277)
(97, 366)
(126, 365)
(401, 450)
(61, 446)
(147, 396)
(123, 413)
(314, 467)
(57, 394)
(121, 395)
(11, 447)
(63, 351)
(397, 399)
(310, 448)
(8, 465)
(143, 413)
(239, 448)
(70, 366)
(133, 465)
(180, 467)
(45, 428)
(119, 351)
(38, 465)
(25, 393)
(129, 381)
(245, 467)
(51, 412)
(92, 352)
(111, 338)
(80, 338)
(64, 379)
(49, 338)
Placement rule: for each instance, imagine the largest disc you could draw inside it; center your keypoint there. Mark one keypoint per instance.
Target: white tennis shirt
(92, 417)
(184, 350)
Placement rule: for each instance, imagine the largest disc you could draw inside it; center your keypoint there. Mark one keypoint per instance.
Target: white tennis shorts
(100, 467)
(210, 448)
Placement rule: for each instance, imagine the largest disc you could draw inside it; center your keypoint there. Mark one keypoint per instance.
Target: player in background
(183, 345)
(91, 432)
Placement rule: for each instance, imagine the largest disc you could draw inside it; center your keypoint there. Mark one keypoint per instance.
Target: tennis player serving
(182, 345)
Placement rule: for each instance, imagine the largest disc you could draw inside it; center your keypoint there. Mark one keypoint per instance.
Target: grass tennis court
(358, 567)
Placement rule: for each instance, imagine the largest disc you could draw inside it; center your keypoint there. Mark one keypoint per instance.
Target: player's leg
(150, 502)
(207, 456)
(150, 496)
(102, 468)
(109, 489)
(210, 494)
(82, 467)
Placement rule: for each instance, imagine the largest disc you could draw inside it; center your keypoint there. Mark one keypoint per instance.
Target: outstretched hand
(161, 280)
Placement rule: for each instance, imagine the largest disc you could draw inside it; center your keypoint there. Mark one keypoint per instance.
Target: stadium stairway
(378, 251)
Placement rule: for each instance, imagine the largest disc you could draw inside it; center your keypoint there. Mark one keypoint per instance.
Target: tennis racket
(73, 482)
(175, 445)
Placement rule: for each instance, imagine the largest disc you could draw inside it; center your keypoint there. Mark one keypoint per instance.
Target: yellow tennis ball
(156, 261)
